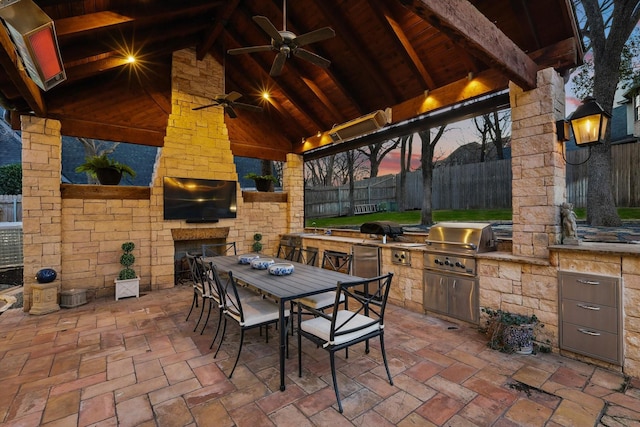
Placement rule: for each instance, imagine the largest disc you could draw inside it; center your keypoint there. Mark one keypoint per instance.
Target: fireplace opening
(182, 275)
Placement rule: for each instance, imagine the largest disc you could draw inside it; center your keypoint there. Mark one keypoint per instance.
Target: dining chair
(340, 329)
(287, 252)
(248, 313)
(212, 292)
(199, 289)
(331, 260)
(218, 249)
(216, 282)
(337, 261)
(307, 256)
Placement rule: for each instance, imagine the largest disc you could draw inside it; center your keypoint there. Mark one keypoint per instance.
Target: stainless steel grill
(450, 276)
(452, 246)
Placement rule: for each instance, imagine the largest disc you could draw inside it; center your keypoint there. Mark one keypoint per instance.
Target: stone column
(293, 184)
(41, 207)
(538, 184)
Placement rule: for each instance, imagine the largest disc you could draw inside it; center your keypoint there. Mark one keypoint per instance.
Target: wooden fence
(476, 186)
(10, 208)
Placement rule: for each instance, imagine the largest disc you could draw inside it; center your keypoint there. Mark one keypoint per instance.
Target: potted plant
(263, 182)
(510, 332)
(128, 282)
(106, 170)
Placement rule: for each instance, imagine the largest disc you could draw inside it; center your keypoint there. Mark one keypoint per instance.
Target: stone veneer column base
(45, 298)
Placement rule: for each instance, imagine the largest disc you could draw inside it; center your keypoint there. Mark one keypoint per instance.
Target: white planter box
(127, 288)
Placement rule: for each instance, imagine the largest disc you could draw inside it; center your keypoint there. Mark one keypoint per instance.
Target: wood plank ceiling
(386, 54)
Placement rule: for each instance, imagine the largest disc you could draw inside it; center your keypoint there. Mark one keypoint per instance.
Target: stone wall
(80, 238)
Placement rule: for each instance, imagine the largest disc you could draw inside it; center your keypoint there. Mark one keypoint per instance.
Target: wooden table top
(304, 281)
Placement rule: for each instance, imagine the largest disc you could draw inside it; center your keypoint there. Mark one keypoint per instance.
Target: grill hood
(462, 237)
(382, 228)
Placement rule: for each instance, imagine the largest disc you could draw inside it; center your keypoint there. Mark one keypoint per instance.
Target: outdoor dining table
(305, 280)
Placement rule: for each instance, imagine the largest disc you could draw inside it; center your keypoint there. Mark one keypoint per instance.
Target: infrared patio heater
(34, 37)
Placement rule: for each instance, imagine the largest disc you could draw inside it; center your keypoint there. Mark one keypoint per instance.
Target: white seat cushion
(321, 327)
(258, 311)
(323, 300)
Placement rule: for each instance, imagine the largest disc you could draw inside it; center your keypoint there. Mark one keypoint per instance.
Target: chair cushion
(323, 300)
(257, 311)
(321, 327)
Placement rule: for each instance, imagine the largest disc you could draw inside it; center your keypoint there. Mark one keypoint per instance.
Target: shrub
(11, 179)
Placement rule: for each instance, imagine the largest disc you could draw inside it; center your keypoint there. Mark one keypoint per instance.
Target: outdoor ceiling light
(589, 123)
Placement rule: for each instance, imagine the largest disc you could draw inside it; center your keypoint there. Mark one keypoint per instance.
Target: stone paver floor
(137, 362)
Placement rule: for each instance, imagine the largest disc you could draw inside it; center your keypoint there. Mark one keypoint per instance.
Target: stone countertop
(613, 248)
(367, 241)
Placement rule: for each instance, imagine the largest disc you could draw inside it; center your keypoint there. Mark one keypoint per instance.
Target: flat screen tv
(199, 200)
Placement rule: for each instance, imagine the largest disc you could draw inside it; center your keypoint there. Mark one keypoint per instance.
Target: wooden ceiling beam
(562, 56)
(336, 79)
(98, 21)
(13, 67)
(464, 24)
(357, 45)
(217, 28)
(319, 93)
(403, 44)
(89, 129)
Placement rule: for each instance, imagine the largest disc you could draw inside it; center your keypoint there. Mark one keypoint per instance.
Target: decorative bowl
(281, 269)
(261, 263)
(247, 258)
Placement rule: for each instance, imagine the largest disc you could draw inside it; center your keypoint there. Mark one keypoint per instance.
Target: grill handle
(467, 245)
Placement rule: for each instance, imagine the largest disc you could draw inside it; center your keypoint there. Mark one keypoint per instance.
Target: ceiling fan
(228, 102)
(286, 43)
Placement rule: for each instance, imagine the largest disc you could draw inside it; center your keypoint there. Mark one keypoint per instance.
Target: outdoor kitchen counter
(416, 245)
(629, 249)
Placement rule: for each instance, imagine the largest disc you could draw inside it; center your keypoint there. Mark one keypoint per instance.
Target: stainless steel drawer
(591, 342)
(590, 315)
(601, 290)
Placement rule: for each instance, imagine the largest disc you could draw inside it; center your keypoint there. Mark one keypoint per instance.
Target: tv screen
(199, 200)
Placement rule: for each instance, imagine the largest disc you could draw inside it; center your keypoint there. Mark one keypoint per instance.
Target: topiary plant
(257, 246)
(127, 259)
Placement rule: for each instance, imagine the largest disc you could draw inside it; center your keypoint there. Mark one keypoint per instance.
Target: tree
(492, 127)
(377, 152)
(607, 26)
(406, 144)
(426, 161)
(319, 172)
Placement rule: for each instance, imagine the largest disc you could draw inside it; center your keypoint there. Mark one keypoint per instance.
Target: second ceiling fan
(228, 103)
(287, 43)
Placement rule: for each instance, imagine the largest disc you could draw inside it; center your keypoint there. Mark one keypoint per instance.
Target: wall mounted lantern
(588, 124)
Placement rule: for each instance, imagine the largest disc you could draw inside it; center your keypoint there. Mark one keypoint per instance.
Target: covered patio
(137, 362)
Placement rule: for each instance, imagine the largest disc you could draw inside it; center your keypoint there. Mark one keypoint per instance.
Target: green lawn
(413, 217)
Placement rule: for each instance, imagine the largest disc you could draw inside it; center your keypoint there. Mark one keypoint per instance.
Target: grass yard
(413, 217)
